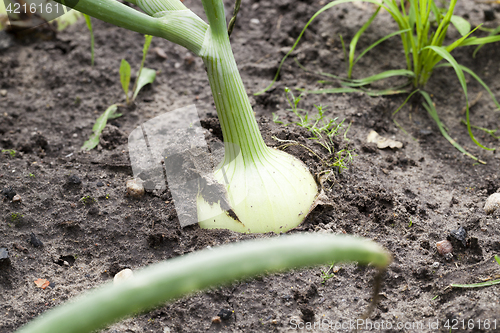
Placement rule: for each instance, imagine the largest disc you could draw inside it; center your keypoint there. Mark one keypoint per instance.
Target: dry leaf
(383, 142)
(160, 52)
(42, 283)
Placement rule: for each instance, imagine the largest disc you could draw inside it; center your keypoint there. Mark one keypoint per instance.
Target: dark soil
(407, 200)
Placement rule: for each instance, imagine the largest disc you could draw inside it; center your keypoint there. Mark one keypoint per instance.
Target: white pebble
(492, 203)
(435, 265)
(123, 275)
(3, 92)
(255, 21)
(135, 189)
(16, 198)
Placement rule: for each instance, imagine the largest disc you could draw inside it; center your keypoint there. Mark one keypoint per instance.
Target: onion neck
(239, 127)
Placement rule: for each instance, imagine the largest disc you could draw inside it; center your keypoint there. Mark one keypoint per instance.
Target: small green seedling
(16, 217)
(88, 200)
(422, 28)
(328, 274)
(31, 175)
(144, 76)
(11, 152)
(481, 284)
(323, 130)
(89, 25)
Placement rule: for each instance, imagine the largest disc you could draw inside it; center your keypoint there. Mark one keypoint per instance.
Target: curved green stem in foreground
(196, 271)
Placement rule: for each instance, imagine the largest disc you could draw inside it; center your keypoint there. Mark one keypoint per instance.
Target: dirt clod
(9, 193)
(35, 241)
(225, 314)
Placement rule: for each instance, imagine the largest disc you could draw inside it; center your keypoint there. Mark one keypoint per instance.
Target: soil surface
(76, 227)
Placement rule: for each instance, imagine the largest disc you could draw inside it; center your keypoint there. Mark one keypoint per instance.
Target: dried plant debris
(382, 142)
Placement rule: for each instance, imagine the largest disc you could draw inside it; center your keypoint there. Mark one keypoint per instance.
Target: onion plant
(177, 277)
(422, 28)
(266, 190)
(144, 76)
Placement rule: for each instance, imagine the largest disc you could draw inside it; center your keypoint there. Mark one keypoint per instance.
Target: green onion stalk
(266, 190)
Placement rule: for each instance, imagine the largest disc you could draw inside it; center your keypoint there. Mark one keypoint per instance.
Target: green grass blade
(487, 131)
(378, 42)
(429, 106)
(326, 7)
(343, 48)
(89, 25)
(458, 42)
(480, 40)
(478, 79)
(481, 284)
(461, 24)
(99, 125)
(492, 33)
(354, 41)
(146, 76)
(177, 277)
(149, 75)
(125, 77)
(441, 51)
(476, 285)
(378, 77)
(385, 92)
(404, 103)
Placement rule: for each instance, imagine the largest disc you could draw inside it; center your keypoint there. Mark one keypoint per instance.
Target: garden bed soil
(406, 199)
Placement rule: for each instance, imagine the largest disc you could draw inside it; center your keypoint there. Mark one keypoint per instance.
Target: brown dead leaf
(42, 283)
(160, 52)
(383, 142)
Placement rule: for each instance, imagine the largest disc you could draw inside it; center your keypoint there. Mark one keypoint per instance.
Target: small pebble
(100, 184)
(166, 329)
(17, 198)
(123, 275)
(435, 265)
(492, 203)
(216, 320)
(255, 21)
(460, 235)
(444, 247)
(3, 92)
(135, 189)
